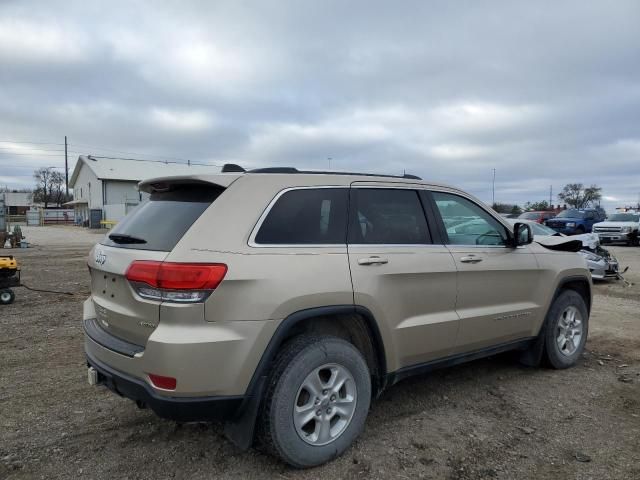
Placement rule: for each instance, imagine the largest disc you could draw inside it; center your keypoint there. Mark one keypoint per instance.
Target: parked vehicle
(600, 262)
(575, 221)
(619, 228)
(289, 300)
(538, 217)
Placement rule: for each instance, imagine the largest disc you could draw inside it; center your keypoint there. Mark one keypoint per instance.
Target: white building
(110, 184)
(17, 203)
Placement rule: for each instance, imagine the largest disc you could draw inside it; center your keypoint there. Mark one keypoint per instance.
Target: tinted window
(160, 222)
(307, 216)
(530, 215)
(571, 213)
(467, 223)
(624, 217)
(387, 216)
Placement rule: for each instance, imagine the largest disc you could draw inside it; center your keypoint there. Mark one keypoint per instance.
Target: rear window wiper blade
(124, 238)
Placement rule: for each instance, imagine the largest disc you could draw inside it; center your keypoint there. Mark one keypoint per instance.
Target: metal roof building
(110, 184)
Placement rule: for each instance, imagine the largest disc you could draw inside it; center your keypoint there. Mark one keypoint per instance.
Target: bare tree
(49, 187)
(578, 196)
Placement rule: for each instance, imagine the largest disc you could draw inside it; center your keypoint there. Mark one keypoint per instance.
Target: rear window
(160, 222)
(387, 216)
(530, 215)
(310, 216)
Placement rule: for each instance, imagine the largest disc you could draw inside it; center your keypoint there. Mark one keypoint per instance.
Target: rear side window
(310, 216)
(160, 222)
(387, 216)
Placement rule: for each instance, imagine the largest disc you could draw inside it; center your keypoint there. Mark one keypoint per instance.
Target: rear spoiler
(164, 184)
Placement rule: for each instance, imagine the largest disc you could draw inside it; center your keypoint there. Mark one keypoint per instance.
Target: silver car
(601, 263)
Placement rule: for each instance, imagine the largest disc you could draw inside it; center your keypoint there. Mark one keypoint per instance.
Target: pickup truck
(619, 227)
(575, 221)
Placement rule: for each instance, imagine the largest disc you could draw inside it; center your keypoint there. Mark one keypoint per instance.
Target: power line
(29, 166)
(93, 147)
(32, 143)
(3, 147)
(34, 154)
(157, 161)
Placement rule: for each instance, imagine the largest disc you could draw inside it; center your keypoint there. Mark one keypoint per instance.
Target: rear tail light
(175, 282)
(166, 383)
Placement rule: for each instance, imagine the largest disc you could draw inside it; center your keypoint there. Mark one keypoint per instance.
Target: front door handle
(372, 261)
(470, 259)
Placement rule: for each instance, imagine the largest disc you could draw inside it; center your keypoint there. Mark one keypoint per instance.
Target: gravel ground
(486, 419)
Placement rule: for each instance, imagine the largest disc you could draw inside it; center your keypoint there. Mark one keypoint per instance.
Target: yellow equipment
(9, 277)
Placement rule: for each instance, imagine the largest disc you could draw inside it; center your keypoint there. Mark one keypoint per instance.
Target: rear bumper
(182, 409)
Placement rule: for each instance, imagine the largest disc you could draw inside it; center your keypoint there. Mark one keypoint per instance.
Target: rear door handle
(372, 261)
(470, 259)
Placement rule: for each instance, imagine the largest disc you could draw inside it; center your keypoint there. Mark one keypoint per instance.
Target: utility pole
(550, 196)
(66, 171)
(493, 189)
(329, 160)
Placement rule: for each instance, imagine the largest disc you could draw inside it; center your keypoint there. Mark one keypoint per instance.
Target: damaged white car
(602, 264)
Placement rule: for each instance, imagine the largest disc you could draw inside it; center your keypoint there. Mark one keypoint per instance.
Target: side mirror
(522, 234)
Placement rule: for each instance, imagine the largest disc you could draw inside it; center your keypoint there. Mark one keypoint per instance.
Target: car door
(495, 302)
(406, 281)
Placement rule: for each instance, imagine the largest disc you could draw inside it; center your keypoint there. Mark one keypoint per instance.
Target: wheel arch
(240, 430)
(352, 319)
(578, 283)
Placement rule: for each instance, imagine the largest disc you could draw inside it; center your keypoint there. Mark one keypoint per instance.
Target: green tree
(537, 206)
(506, 208)
(577, 195)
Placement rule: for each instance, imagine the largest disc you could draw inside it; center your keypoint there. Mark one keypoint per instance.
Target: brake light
(166, 383)
(175, 282)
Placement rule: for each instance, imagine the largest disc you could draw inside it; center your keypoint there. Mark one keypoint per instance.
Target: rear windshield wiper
(124, 238)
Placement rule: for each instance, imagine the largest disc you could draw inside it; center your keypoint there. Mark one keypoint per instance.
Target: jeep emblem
(100, 257)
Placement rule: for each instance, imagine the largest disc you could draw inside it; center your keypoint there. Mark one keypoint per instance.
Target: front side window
(313, 216)
(467, 223)
(387, 216)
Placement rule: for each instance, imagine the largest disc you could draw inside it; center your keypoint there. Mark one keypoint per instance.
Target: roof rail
(321, 172)
(232, 167)
(274, 170)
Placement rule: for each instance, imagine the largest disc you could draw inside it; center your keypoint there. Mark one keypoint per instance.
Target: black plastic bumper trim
(181, 409)
(96, 333)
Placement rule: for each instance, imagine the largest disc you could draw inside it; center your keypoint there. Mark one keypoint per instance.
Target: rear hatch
(147, 234)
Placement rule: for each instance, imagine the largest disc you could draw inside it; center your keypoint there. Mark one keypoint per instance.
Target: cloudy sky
(544, 92)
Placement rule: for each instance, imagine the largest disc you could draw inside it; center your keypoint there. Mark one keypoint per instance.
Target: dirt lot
(487, 419)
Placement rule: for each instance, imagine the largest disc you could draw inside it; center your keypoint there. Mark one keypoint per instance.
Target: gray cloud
(545, 92)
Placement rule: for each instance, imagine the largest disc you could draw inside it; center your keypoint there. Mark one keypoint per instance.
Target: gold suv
(284, 301)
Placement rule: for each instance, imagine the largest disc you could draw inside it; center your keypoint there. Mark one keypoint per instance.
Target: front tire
(7, 296)
(566, 331)
(316, 402)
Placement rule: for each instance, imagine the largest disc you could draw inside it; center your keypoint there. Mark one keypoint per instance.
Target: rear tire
(316, 402)
(567, 328)
(7, 296)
